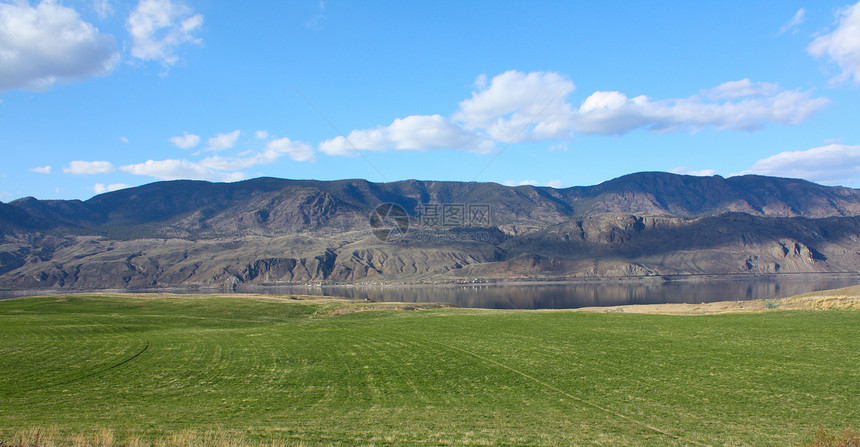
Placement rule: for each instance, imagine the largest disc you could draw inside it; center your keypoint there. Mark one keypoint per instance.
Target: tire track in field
(95, 373)
(570, 396)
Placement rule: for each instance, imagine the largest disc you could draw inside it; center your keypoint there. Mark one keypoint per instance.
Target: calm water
(565, 296)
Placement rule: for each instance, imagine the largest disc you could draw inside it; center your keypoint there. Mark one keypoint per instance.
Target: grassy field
(315, 372)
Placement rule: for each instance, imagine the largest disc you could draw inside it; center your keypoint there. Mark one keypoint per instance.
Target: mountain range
(270, 231)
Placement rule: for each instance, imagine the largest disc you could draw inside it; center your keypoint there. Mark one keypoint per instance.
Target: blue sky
(97, 95)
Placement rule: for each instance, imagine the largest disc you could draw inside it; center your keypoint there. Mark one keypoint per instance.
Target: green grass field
(307, 372)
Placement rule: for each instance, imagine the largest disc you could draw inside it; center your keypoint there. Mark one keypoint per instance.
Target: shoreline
(611, 280)
(846, 298)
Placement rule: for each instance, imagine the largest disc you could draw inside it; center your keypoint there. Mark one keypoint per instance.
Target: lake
(557, 295)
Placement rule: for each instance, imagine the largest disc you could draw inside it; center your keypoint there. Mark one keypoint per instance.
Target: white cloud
(274, 150)
(519, 183)
(551, 183)
(842, 45)
(49, 43)
(684, 170)
(159, 27)
(102, 8)
(513, 100)
(416, 132)
(834, 164)
(517, 107)
(521, 106)
(42, 169)
(223, 141)
(558, 147)
(740, 89)
(100, 188)
(795, 21)
(89, 167)
(613, 113)
(315, 23)
(186, 141)
(261, 134)
(296, 150)
(179, 169)
(123, 139)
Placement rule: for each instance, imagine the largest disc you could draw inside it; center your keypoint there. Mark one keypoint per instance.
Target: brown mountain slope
(274, 231)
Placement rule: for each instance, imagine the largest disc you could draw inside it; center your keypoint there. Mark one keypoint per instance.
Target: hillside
(274, 231)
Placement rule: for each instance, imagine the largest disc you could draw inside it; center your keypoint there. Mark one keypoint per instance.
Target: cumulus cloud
(613, 113)
(159, 27)
(274, 150)
(49, 43)
(416, 132)
(834, 164)
(842, 45)
(684, 170)
(519, 106)
(296, 150)
(221, 168)
(172, 169)
(101, 188)
(186, 141)
(261, 134)
(42, 169)
(89, 167)
(223, 141)
(795, 21)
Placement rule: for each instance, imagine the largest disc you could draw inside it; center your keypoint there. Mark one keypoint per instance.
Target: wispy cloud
(834, 164)
(416, 132)
(274, 150)
(186, 141)
(159, 27)
(795, 21)
(102, 8)
(80, 167)
(100, 188)
(41, 169)
(316, 22)
(550, 183)
(173, 169)
(223, 141)
(684, 170)
(842, 45)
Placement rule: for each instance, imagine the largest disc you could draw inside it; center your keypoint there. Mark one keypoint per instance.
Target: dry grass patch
(104, 437)
(825, 438)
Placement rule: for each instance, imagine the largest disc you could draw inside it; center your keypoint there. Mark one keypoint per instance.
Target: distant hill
(273, 231)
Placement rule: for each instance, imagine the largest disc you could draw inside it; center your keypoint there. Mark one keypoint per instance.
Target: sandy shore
(847, 299)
